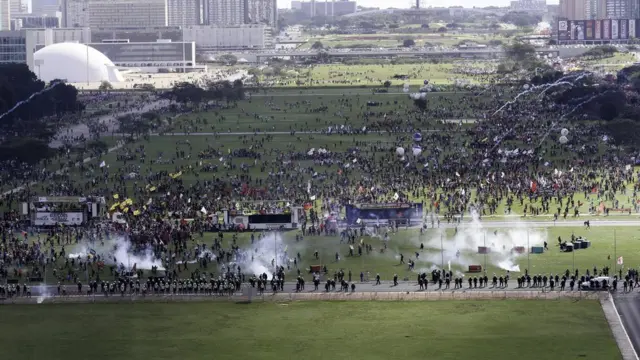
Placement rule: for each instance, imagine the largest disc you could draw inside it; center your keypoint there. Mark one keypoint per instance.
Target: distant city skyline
(383, 4)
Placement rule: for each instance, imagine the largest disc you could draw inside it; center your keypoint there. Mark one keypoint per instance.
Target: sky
(286, 4)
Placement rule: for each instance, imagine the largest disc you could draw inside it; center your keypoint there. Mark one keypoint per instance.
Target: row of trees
(189, 93)
(31, 112)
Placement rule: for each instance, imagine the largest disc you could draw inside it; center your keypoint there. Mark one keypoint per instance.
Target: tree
(520, 51)
(408, 42)
(317, 45)
(521, 19)
(228, 59)
(624, 131)
(105, 86)
(31, 110)
(322, 56)
(420, 103)
(186, 92)
(608, 111)
(424, 26)
(442, 29)
(387, 84)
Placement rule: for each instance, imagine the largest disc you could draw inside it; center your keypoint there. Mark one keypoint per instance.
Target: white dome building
(75, 63)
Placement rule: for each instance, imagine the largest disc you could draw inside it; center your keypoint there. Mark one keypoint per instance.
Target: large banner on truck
(50, 218)
(373, 213)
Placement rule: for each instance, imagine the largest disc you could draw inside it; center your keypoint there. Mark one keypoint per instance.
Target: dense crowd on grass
(507, 159)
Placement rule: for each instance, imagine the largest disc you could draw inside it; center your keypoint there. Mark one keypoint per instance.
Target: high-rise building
(5, 15)
(183, 12)
(262, 12)
(114, 13)
(572, 9)
(327, 8)
(529, 5)
(226, 12)
(595, 9)
(44, 7)
(618, 9)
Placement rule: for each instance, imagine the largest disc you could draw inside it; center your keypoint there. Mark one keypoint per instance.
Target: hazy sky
(286, 4)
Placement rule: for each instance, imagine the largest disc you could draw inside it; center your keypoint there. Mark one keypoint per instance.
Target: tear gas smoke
(120, 250)
(43, 291)
(469, 238)
(264, 254)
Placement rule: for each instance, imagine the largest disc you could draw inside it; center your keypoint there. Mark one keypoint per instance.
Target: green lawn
(603, 252)
(376, 75)
(311, 330)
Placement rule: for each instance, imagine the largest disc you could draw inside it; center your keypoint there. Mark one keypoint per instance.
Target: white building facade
(208, 37)
(226, 12)
(114, 13)
(183, 12)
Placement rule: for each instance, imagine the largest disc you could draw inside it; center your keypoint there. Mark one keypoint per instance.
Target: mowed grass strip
(311, 330)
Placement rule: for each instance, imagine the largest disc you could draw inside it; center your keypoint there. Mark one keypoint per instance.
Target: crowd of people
(505, 162)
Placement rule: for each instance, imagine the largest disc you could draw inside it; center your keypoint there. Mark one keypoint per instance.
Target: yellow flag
(136, 213)
(114, 206)
(116, 196)
(152, 189)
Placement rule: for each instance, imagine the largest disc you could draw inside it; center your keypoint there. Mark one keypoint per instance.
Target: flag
(136, 212)
(103, 164)
(533, 185)
(620, 261)
(203, 210)
(116, 196)
(133, 269)
(312, 198)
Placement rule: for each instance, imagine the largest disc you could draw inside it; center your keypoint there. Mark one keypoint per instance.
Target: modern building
(595, 9)
(212, 38)
(5, 15)
(35, 22)
(55, 36)
(45, 7)
(148, 55)
(537, 6)
(572, 9)
(326, 8)
(262, 12)
(225, 12)
(17, 47)
(617, 9)
(136, 34)
(75, 63)
(114, 13)
(183, 12)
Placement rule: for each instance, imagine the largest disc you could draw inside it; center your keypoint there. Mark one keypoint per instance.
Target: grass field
(603, 252)
(312, 330)
(375, 75)
(395, 40)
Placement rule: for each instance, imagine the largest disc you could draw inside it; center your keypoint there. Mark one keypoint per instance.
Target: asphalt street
(370, 286)
(628, 306)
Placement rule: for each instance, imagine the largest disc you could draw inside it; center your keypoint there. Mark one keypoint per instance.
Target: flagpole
(485, 250)
(528, 253)
(615, 253)
(442, 253)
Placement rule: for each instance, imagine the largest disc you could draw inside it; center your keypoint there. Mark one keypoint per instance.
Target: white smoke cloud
(470, 236)
(119, 250)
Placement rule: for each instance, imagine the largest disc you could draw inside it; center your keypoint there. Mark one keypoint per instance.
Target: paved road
(290, 287)
(628, 306)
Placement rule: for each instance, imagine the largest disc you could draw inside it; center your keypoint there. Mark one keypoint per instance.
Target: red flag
(534, 186)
